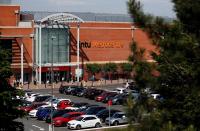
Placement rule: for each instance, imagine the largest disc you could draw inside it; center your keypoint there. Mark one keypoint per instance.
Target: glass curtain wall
(59, 39)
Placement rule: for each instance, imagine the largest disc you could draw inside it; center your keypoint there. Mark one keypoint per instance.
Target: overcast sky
(155, 7)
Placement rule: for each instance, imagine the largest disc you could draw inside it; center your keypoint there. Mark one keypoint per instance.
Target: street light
(52, 79)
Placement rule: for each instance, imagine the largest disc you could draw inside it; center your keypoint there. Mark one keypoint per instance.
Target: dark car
(87, 92)
(103, 114)
(76, 90)
(94, 110)
(93, 93)
(41, 98)
(119, 99)
(63, 88)
(80, 93)
(55, 114)
(79, 105)
(84, 108)
(43, 112)
(109, 97)
(69, 89)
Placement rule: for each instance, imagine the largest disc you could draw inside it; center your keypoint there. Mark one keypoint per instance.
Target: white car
(120, 90)
(84, 121)
(32, 97)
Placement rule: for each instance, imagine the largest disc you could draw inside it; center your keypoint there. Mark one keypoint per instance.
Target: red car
(102, 96)
(64, 119)
(31, 107)
(64, 104)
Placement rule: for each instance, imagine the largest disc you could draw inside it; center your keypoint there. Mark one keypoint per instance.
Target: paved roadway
(31, 124)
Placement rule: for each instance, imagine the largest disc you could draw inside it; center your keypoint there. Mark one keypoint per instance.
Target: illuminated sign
(101, 44)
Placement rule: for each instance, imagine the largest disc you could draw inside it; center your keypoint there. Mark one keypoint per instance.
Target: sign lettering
(96, 44)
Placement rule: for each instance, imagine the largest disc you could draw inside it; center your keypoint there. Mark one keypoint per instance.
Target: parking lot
(32, 124)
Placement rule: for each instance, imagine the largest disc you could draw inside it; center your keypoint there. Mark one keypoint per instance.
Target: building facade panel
(9, 15)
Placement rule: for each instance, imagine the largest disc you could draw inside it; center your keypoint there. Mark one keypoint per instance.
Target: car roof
(120, 112)
(88, 115)
(119, 88)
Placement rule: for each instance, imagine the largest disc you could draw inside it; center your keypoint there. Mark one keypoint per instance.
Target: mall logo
(85, 44)
(101, 44)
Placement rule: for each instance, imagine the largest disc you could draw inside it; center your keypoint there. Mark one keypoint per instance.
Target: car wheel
(115, 123)
(117, 102)
(97, 125)
(78, 127)
(101, 119)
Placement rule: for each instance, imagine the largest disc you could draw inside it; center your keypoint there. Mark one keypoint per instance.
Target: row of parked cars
(64, 112)
(118, 96)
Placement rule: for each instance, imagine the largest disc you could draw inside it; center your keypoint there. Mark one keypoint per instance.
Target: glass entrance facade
(55, 42)
(55, 48)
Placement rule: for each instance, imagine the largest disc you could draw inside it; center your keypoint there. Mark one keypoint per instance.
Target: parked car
(76, 90)
(44, 112)
(31, 107)
(42, 98)
(56, 113)
(80, 93)
(93, 93)
(76, 106)
(117, 118)
(64, 119)
(69, 89)
(63, 88)
(120, 90)
(119, 99)
(102, 96)
(84, 121)
(84, 108)
(94, 110)
(31, 96)
(103, 114)
(109, 96)
(64, 104)
(33, 112)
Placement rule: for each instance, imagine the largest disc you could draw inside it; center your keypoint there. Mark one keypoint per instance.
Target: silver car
(117, 118)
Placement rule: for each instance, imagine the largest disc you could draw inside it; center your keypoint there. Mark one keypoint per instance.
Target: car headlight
(114, 100)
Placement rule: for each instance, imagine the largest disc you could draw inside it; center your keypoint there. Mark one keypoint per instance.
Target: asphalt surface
(31, 124)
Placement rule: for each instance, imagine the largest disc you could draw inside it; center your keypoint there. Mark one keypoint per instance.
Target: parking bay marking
(41, 129)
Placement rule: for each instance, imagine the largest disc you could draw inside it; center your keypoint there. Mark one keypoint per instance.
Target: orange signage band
(101, 44)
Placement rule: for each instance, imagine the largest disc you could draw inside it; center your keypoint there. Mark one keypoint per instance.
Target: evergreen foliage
(178, 63)
(8, 103)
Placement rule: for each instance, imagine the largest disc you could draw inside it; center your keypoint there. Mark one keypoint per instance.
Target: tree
(8, 110)
(188, 12)
(93, 69)
(127, 68)
(110, 68)
(178, 63)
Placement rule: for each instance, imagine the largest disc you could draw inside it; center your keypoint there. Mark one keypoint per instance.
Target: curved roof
(61, 18)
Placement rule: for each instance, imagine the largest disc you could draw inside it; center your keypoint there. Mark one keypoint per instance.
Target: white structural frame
(56, 19)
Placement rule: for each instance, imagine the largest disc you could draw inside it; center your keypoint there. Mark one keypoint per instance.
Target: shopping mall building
(66, 41)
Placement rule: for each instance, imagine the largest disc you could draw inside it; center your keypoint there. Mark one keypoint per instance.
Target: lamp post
(52, 84)
(132, 29)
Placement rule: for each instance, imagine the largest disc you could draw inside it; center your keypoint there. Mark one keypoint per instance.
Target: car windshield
(79, 118)
(116, 115)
